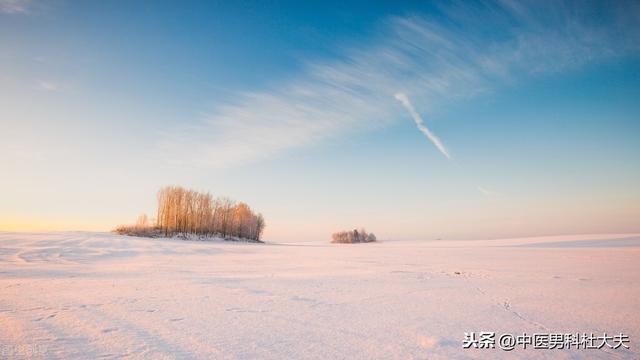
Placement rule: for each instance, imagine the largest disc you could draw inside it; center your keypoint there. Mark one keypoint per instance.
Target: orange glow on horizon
(38, 224)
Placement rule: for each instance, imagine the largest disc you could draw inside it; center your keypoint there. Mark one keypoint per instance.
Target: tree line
(185, 211)
(353, 236)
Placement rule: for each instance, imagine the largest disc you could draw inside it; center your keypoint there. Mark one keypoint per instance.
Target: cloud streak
(488, 193)
(436, 62)
(47, 86)
(14, 6)
(404, 100)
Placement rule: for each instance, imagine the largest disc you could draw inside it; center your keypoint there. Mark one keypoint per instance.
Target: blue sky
(525, 115)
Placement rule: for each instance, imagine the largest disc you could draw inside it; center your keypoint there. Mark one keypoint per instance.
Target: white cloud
(14, 6)
(488, 193)
(47, 86)
(404, 100)
(475, 49)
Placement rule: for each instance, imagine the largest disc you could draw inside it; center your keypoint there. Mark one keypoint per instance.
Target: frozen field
(96, 295)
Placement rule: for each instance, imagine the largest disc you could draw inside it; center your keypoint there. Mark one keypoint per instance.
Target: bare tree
(187, 211)
(353, 236)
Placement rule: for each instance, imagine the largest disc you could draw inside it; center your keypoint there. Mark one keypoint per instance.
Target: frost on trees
(353, 236)
(184, 212)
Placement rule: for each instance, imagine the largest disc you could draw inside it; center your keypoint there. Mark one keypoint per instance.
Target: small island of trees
(187, 212)
(352, 237)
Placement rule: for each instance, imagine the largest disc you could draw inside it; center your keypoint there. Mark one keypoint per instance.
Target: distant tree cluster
(184, 211)
(354, 236)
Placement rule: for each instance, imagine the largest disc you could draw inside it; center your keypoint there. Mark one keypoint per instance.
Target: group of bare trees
(184, 211)
(187, 211)
(354, 236)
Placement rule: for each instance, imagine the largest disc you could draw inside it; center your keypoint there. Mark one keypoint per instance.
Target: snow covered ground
(84, 295)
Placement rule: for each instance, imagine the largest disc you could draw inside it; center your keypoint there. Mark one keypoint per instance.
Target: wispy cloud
(471, 49)
(47, 86)
(488, 193)
(404, 100)
(14, 6)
